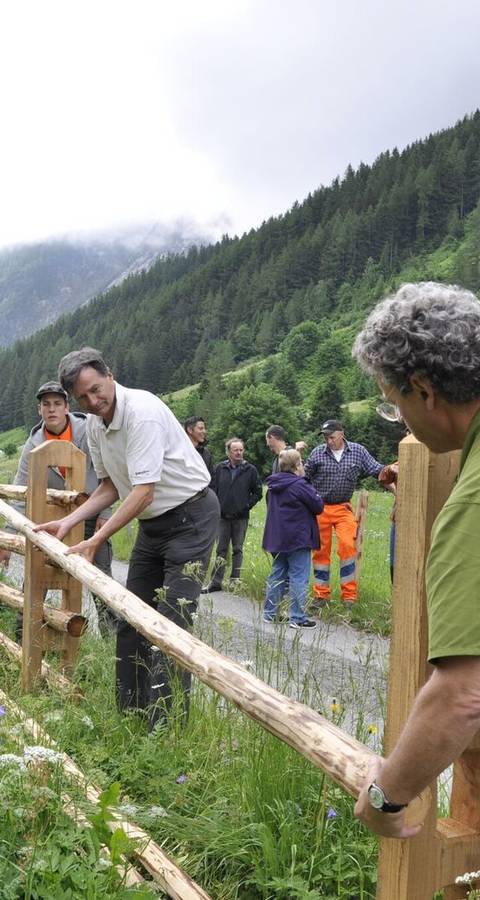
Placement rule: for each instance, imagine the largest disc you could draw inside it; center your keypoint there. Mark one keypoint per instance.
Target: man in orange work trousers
(334, 468)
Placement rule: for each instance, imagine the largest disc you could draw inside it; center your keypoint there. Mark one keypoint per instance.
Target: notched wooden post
(38, 575)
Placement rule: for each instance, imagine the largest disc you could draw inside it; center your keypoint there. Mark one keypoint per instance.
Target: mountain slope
(326, 260)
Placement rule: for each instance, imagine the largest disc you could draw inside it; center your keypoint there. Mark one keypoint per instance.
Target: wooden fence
(409, 870)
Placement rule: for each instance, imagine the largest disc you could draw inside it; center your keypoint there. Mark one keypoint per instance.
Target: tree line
(326, 261)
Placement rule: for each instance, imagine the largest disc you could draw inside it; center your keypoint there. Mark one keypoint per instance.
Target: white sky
(222, 111)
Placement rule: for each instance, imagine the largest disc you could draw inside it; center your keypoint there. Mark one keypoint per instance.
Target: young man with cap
(143, 457)
(334, 468)
(58, 423)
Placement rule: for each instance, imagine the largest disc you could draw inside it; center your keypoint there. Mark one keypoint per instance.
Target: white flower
(182, 601)
(54, 716)
(10, 759)
(467, 878)
(194, 617)
(157, 812)
(86, 720)
(128, 809)
(104, 863)
(41, 754)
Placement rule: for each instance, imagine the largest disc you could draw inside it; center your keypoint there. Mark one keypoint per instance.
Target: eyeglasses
(389, 411)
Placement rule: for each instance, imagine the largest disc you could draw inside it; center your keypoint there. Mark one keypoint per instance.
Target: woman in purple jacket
(291, 533)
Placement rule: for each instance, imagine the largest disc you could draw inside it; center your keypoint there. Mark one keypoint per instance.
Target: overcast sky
(222, 111)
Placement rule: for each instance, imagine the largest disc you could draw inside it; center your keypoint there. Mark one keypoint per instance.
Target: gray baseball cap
(52, 387)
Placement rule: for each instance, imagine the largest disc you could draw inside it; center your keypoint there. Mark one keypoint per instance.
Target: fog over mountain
(40, 282)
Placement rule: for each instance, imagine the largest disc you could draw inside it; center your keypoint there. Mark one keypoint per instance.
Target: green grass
(250, 820)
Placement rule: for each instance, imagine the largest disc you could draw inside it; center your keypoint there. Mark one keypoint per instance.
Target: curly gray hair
(429, 329)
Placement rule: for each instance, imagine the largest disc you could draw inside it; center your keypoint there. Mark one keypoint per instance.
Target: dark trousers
(164, 547)
(107, 620)
(231, 531)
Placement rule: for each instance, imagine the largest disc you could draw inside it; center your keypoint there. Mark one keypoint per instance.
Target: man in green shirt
(423, 347)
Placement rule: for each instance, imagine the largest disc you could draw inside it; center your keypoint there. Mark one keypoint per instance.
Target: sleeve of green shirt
(453, 576)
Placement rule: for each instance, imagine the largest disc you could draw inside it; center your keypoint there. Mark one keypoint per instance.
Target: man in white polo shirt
(143, 457)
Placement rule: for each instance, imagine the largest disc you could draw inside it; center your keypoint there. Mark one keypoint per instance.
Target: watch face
(376, 797)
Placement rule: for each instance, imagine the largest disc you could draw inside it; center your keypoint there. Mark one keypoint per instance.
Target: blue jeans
(292, 569)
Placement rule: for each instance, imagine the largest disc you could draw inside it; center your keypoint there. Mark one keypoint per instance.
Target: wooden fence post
(416, 868)
(39, 574)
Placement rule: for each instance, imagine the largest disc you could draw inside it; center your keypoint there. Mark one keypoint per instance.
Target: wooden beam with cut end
(57, 681)
(18, 493)
(68, 622)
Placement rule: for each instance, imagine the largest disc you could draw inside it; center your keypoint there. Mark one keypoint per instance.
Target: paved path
(332, 662)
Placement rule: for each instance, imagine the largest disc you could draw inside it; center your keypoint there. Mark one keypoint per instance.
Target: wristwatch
(378, 800)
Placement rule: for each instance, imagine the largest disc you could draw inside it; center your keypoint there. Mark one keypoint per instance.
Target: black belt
(197, 496)
(175, 509)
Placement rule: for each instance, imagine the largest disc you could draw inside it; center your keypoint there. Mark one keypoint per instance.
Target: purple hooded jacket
(292, 505)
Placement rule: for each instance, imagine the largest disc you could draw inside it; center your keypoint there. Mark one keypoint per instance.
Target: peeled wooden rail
(58, 681)
(163, 870)
(18, 493)
(13, 542)
(69, 622)
(344, 759)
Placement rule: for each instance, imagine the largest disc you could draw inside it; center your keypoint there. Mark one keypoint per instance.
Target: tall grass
(244, 814)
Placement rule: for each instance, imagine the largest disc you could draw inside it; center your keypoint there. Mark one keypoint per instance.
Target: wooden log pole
(66, 622)
(343, 757)
(55, 679)
(361, 517)
(19, 493)
(73, 811)
(163, 870)
(13, 542)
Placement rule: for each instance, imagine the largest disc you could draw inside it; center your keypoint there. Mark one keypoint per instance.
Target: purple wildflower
(3, 711)
(181, 779)
(332, 813)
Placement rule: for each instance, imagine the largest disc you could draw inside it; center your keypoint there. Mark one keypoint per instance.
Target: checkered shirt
(336, 481)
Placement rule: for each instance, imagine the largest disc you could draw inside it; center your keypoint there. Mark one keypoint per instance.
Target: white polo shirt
(145, 444)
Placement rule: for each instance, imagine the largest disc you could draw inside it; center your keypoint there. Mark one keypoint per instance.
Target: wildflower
(3, 711)
(332, 813)
(467, 878)
(335, 707)
(86, 720)
(182, 601)
(157, 812)
(41, 754)
(372, 728)
(194, 617)
(248, 664)
(104, 863)
(128, 809)
(181, 779)
(54, 716)
(11, 759)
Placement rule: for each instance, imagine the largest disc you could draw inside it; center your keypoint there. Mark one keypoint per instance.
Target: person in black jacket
(238, 487)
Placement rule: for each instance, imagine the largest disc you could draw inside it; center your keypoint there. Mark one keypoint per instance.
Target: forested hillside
(193, 316)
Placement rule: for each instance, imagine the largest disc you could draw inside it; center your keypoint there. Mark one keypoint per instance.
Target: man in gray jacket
(58, 423)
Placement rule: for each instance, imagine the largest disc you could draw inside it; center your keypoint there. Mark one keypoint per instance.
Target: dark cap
(52, 387)
(331, 425)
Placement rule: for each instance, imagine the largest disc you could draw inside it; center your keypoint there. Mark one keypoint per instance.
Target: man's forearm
(137, 500)
(103, 496)
(444, 718)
